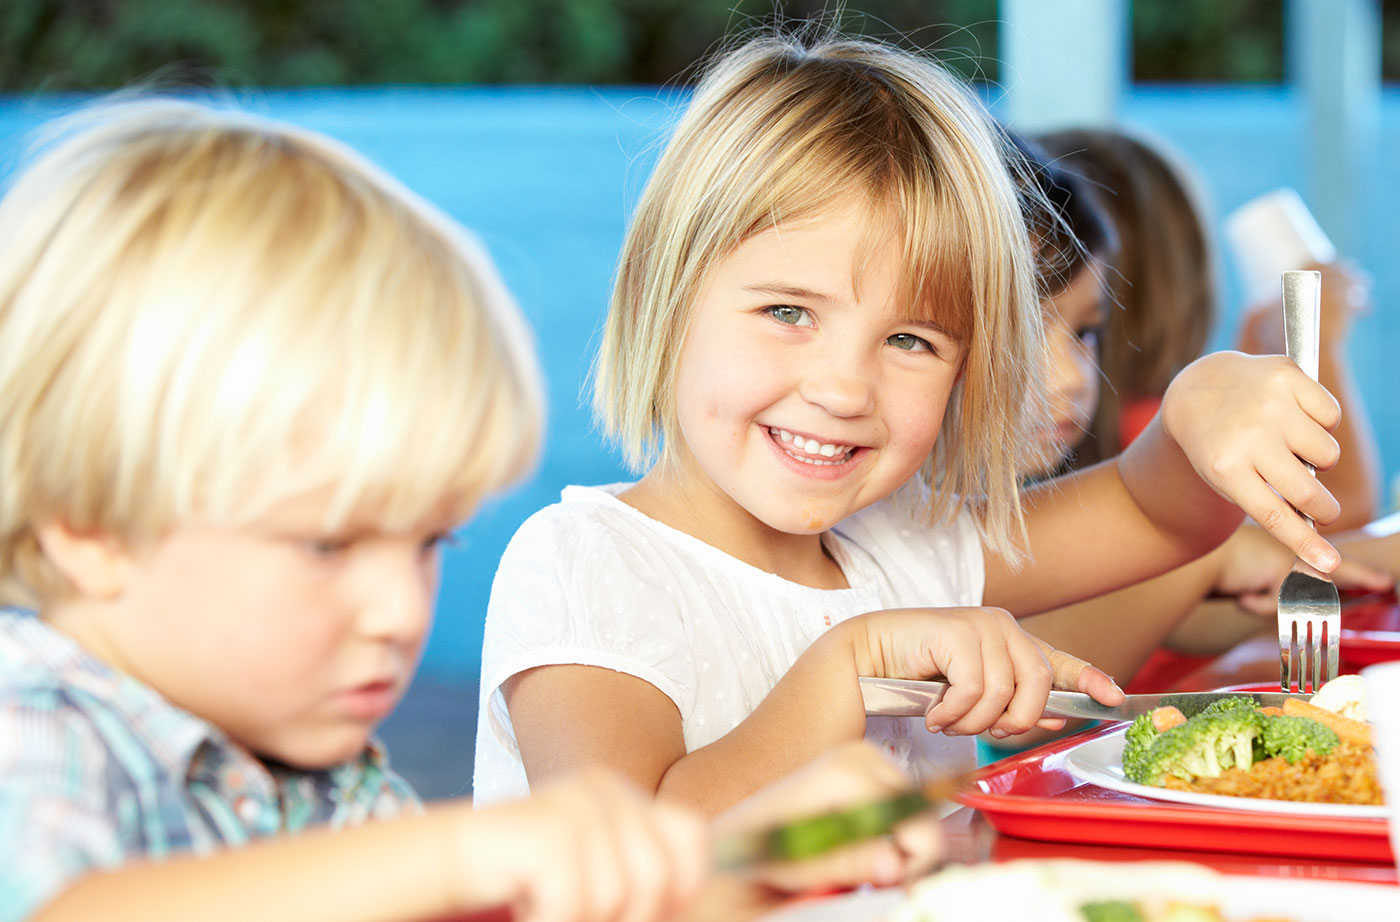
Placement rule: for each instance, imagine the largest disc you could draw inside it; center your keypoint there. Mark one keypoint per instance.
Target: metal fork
(1309, 609)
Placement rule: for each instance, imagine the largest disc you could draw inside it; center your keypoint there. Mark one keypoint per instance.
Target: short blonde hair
(777, 130)
(204, 312)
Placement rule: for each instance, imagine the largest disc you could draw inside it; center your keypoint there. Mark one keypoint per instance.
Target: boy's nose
(398, 606)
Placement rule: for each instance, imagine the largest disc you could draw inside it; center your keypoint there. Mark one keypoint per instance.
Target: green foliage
(98, 44)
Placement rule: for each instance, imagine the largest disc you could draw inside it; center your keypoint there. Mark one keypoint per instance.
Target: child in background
(1164, 280)
(248, 385)
(829, 254)
(1125, 627)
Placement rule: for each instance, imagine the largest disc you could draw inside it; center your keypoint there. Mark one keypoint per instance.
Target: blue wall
(547, 176)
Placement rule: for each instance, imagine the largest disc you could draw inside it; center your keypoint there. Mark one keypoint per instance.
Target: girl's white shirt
(592, 581)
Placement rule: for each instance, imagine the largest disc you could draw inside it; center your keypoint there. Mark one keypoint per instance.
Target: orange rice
(1345, 776)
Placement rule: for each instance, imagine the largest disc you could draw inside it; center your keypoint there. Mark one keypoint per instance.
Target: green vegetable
(1203, 747)
(817, 835)
(1137, 740)
(1292, 737)
(1110, 911)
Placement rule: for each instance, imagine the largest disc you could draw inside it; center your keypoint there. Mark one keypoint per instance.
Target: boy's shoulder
(54, 690)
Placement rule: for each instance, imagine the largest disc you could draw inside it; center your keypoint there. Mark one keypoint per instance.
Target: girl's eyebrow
(789, 291)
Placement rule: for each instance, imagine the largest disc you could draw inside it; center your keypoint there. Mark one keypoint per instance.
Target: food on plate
(1302, 752)
(1344, 695)
(1067, 890)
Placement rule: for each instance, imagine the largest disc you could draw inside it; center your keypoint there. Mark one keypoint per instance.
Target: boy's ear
(96, 564)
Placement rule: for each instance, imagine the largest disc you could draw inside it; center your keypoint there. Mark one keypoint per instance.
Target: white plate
(1100, 761)
(1238, 897)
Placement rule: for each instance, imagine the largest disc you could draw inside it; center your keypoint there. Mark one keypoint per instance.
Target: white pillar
(1064, 62)
(1334, 61)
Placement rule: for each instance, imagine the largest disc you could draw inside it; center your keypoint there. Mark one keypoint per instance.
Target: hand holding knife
(913, 698)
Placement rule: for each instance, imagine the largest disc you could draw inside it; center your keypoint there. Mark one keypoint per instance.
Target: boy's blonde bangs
(224, 313)
(778, 131)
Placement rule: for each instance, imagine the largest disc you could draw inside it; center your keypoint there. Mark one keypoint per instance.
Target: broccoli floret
(1203, 747)
(1136, 741)
(1292, 737)
(1110, 911)
(1240, 707)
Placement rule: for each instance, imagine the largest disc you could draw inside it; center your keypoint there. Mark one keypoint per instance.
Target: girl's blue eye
(1089, 336)
(793, 316)
(910, 343)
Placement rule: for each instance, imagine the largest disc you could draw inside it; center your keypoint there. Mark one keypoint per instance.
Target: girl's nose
(843, 385)
(1067, 373)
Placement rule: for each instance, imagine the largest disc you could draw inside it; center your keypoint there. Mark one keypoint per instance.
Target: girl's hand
(999, 676)
(854, 774)
(1253, 565)
(591, 848)
(1244, 422)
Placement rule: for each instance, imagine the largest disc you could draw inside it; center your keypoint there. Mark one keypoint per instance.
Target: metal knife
(913, 698)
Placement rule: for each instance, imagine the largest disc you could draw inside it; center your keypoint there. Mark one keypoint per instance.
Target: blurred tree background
(100, 44)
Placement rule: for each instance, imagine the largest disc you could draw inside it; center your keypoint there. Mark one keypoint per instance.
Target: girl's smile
(804, 391)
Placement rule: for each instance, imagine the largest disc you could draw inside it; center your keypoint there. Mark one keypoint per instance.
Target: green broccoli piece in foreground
(1203, 747)
(1137, 740)
(1110, 910)
(1292, 737)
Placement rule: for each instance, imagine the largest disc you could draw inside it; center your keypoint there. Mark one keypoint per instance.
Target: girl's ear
(96, 564)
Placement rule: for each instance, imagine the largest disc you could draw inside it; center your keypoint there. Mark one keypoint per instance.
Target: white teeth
(812, 447)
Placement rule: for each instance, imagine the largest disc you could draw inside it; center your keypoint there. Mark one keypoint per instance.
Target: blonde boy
(247, 384)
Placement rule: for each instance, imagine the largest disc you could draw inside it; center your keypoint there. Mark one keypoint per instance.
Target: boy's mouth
(811, 451)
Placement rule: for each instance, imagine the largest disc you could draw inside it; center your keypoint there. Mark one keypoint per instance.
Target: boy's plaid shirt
(97, 769)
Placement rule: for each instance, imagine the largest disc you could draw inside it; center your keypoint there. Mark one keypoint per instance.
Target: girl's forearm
(1173, 497)
(815, 707)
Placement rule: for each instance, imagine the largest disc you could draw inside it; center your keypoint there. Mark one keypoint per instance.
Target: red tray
(1032, 795)
(1370, 630)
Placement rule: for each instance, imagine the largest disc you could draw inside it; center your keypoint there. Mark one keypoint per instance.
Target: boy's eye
(328, 547)
(437, 542)
(793, 316)
(910, 343)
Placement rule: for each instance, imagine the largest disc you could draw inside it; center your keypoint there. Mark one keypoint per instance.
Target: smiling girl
(823, 347)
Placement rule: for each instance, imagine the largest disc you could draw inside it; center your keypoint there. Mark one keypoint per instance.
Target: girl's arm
(589, 849)
(1227, 442)
(570, 716)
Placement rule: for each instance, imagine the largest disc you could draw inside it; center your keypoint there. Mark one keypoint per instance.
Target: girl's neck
(721, 523)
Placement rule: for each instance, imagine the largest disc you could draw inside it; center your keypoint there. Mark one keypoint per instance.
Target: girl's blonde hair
(1163, 276)
(780, 129)
(203, 313)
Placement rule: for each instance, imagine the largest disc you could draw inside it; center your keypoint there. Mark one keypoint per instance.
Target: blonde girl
(823, 341)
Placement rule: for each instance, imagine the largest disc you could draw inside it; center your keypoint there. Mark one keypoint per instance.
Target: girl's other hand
(589, 848)
(851, 775)
(1246, 424)
(1253, 565)
(999, 676)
